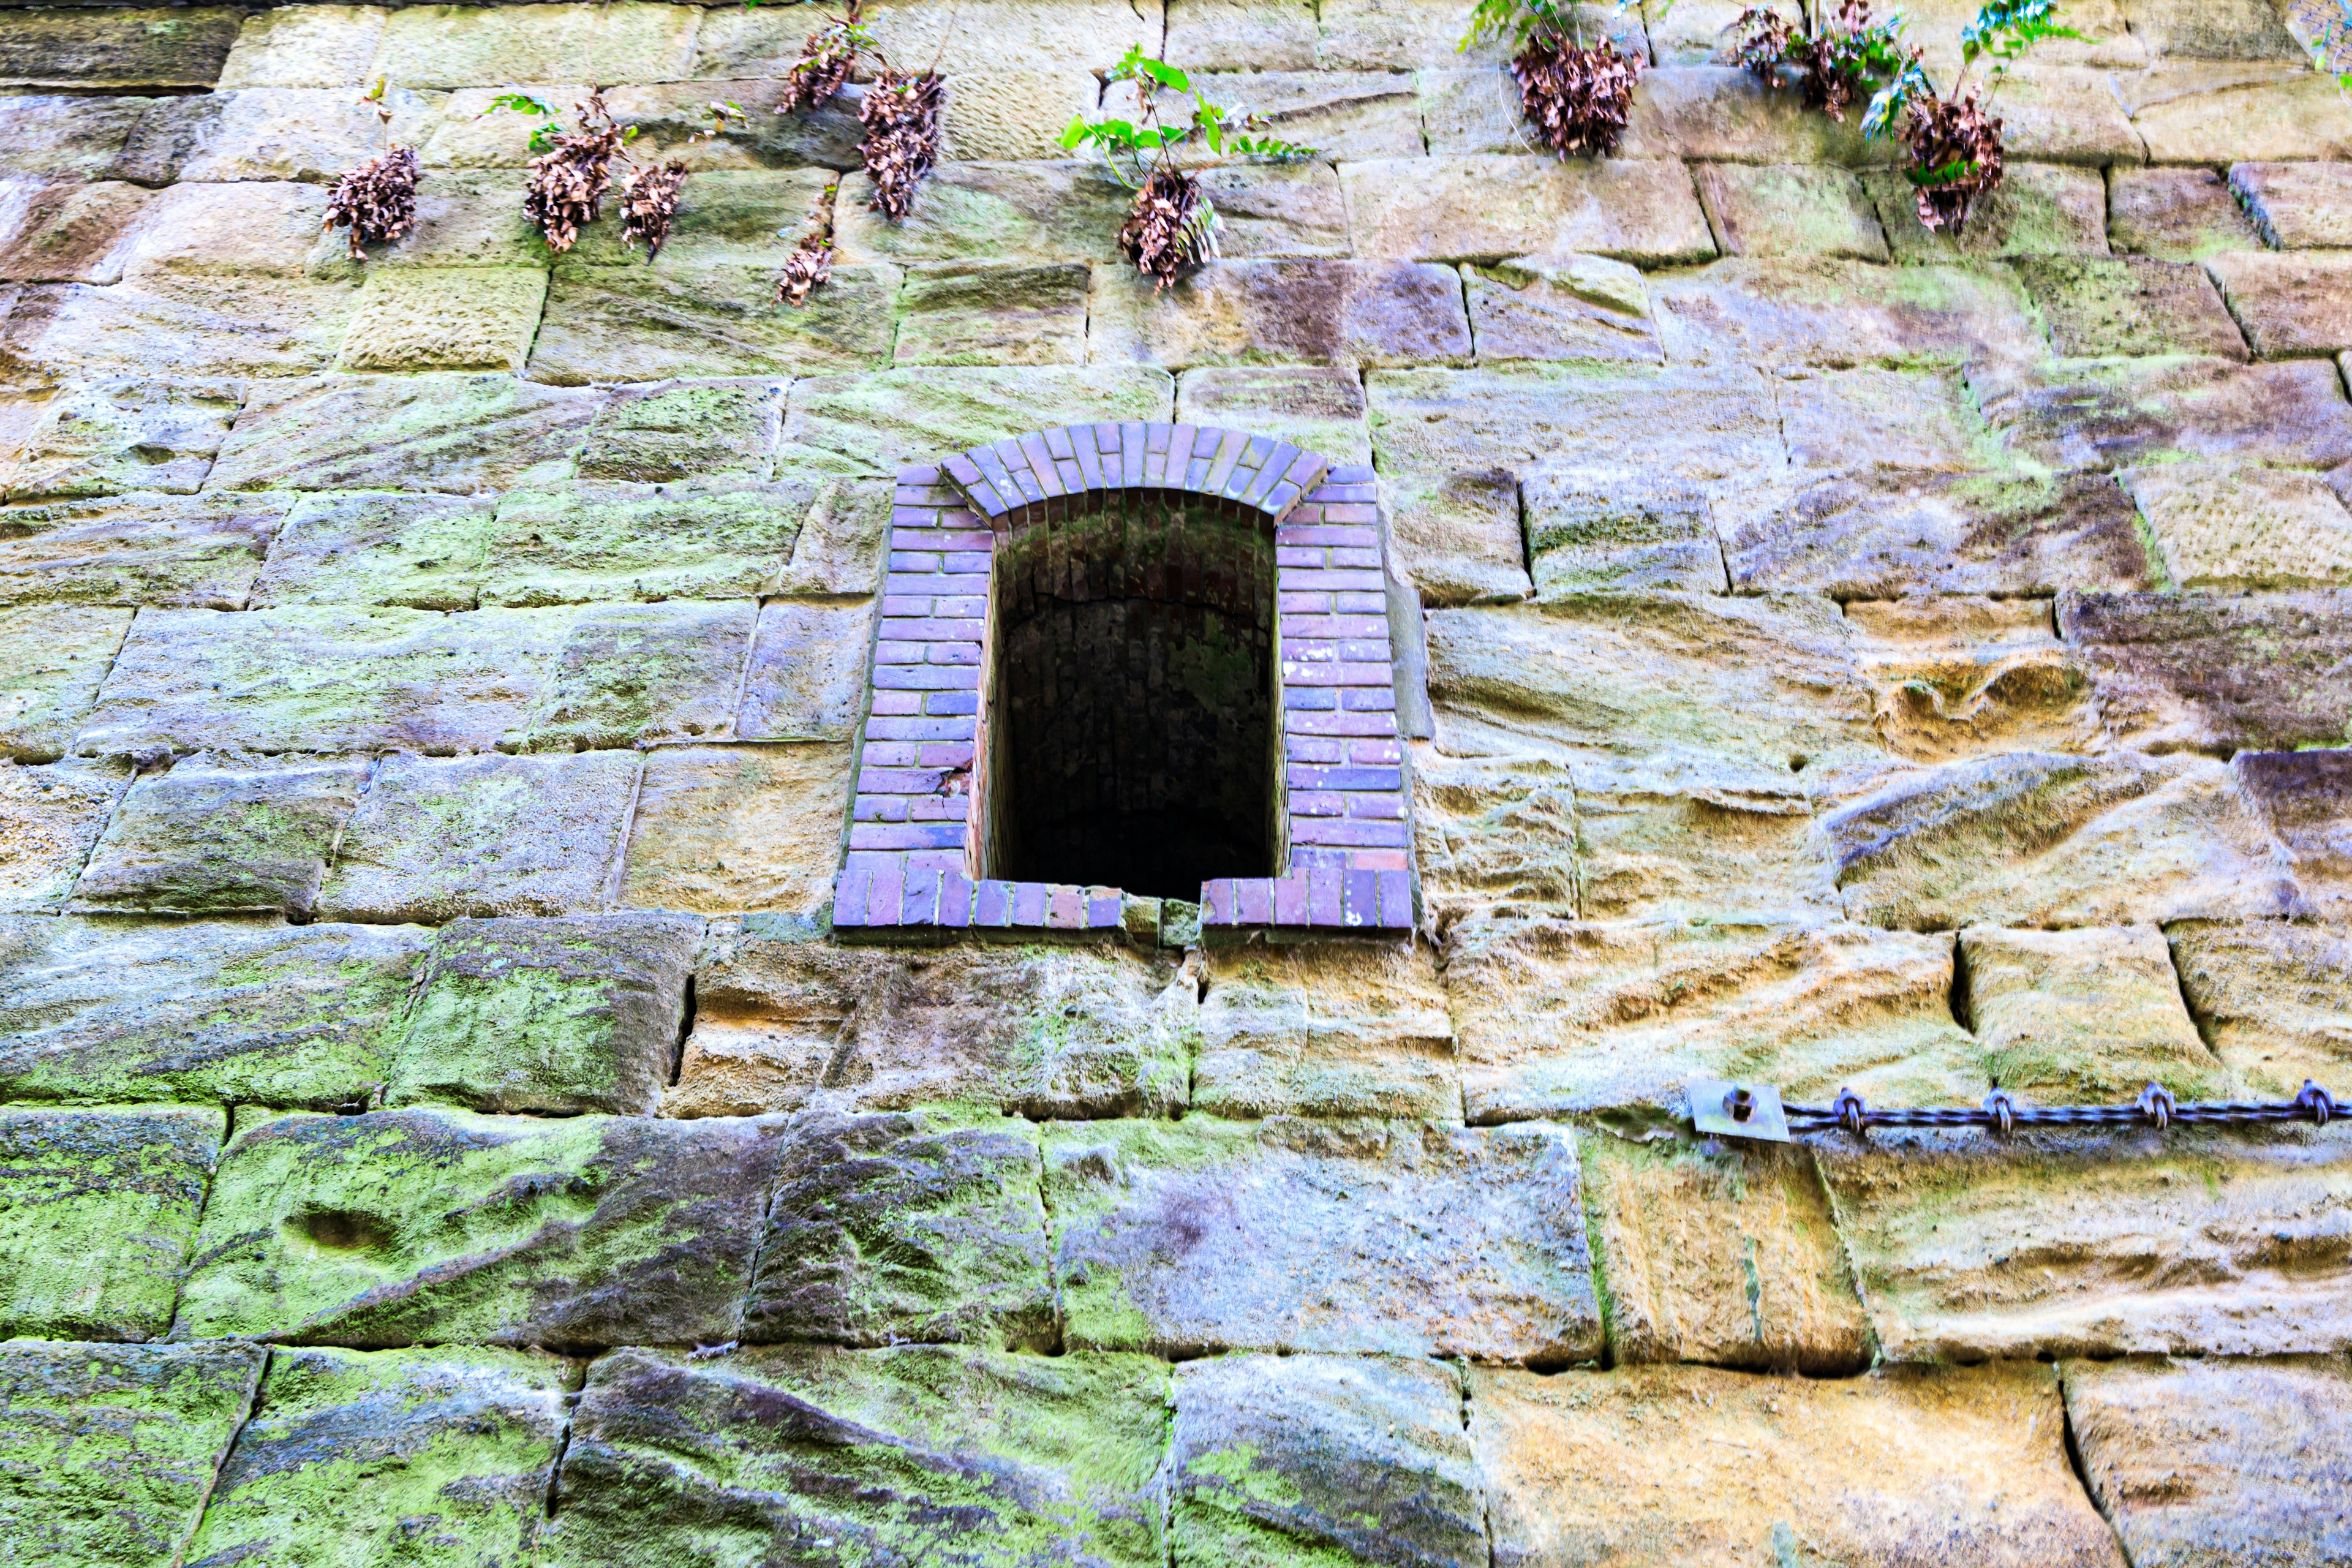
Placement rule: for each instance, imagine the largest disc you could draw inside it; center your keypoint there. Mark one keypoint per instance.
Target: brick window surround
(919, 839)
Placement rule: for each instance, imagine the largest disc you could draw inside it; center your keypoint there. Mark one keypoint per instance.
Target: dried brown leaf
(649, 206)
(566, 187)
(1576, 99)
(1955, 158)
(1170, 227)
(377, 201)
(901, 115)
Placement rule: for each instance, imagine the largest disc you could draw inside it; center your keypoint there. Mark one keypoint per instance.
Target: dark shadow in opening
(1131, 734)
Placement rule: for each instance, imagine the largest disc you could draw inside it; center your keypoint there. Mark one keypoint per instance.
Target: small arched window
(1139, 659)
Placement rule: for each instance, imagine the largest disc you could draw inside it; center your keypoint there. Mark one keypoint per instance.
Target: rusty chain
(2000, 1113)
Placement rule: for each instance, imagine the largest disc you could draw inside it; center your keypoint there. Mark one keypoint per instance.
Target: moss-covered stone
(2273, 1000)
(442, 1456)
(149, 549)
(171, 49)
(575, 542)
(1326, 1029)
(50, 818)
(940, 1454)
(840, 548)
(408, 1226)
(708, 319)
(876, 424)
(894, 1229)
(959, 314)
(547, 1015)
(98, 1210)
(52, 660)
(636, 674)
(2039, 209)
(221, 835)
(107, 1451)
(158, 436)
(445, 318)
(2130, 305)
(378, 547)
(712, 432)
(202, 1011)
(2084, 1016)
(444, 431)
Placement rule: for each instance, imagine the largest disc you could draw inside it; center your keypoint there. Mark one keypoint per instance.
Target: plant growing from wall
(1171, 225)
(1576, 95)
(900, 110)
(1846, 57)
(377, 200)
(572, 173)
(811, 262)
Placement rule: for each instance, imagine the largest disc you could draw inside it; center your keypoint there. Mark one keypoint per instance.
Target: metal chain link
(2000, 1111)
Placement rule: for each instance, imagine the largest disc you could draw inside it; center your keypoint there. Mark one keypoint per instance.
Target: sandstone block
(807, 675)
(120, 436)
(1326, 1029)
(50, 818)
(2214, 673)
(724, 215)
(2290, 306)
(113, 50)
(2273, 1000)
(1723, 114)
(2034, 839)
(101, 1213)
(1193, 1236)
(1456, 537)
(1836, 313)
(2116, 412)
(710, 319)
(2305, 796)
(472, 133)
(1694, 688)
(378, 547)
(2039, 209)
(462, 45)
(2227, 1462)
(65, 134)
(172, 325)
(841, 543)
(2174, 215)
(1391, 35)
(1080, 34)
(2235, 529)
(1048, 1459)
(139, 549)
(1557, 1017)
(1345, 312)
(884, 1230)
(786, 1020)
(65, 230)
(309, 134)
(439, 432)
(632, 675)
(2230, 30)
(420, 1225)
(1790, 209)
(879, 423)
(2084, 1016)
(1734, 856)
(1013, 113)
(52, 662)
(1652, 1466)
(205, 1012)
(1574, 308)
(669, 116)
(710, 431)
(1644, 211)
(2054, 114)
(2129, 305)
(1241, 35)
(445, 318)
(437, 837)
(2193, 114)
(1492, 831)
(1591, 530)
(1889, 532)
(222, 836)
(726, 828)
(315, 46)
(1723, 1254)
(110, 1451)
(1297, 1459)
(551, 1016)
(1918, 420)
(959, 314)
(2296, 207)
(1345, 116)
(1961, 675)
(1319, 408)
(455, 1445)
(330, 677)
(2097, 1244)
(570, 543)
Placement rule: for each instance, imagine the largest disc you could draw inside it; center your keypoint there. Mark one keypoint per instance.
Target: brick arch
(913, 864)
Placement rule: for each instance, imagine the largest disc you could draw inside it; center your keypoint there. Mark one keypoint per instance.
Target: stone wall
(438, 1124)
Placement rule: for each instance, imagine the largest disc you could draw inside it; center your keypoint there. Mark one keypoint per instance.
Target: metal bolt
(1740, 1103)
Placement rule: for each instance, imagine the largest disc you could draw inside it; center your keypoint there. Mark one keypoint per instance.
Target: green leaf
(1949, 174)
(517, 102)
(1080, 132)
(1166, 75)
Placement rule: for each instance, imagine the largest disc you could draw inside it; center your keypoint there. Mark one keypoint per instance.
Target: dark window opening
(1131, 730)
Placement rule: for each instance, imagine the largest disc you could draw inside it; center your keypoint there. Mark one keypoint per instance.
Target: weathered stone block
(1734, 856)
(65, 230)
(2039, 209)
(1602, 529)
(572, 542)
(2084, 1016)
(2192, 113)
(50, 818)
(638, 674)
(1790, 209)
(1908, 419)
(2097, 1244)
(439, 838)
(141, 549)
(1838, 313)
(314, 46)
(100, 1213)
(2032, 839)
(420, 1225)
(2273, 1000)
(1577, 307)
(110, 1451)
(1326, 1029)
(1391, 35)
(439, 432)
(724, 828)
(1961, 675)
(1557, 1017)
(463, 218)
(2296, 207)
(68, 135)
(879, 423)
(1884, 533)
(723, 215)
(1694, 424)
(1241, 35)
(2238, 527)
(174, 325)
(708, 319)
(218, 835)
(1489, 831)
(1319, 408)
(1345, 116)
(1708, 690)
(1642, 210)
(1298, 1459)
(124, 435)
(709, 431)
(1082, 35)
(937, 1453)
(786, 1020)
(1013, 113)
(956, 313)
(841, 543)
(200, 1012)
(807, 675)
(894, 1229)
(2216, 30)
(2094, 414)
(2174, 215)
(547, 1015)
(2211, 673)
(1656, 1466)
(445, 318)
(1398, 1237)
(114, 50)
(2290, 306)
(2129, 305)
(464, 46)
(52, 661)
(326, 678)
(307, 134)
(1345, 312)
(222, 231)
(1456, 538)
(1723, 1254)
(353, 1452)
(2052, 114)
(1724, 115)
(378, 547)
(2305, 796)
